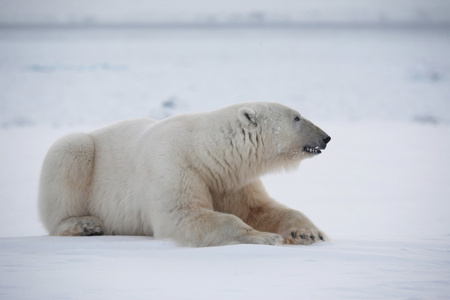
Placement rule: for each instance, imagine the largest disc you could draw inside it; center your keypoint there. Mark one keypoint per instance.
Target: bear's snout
(326, 141)
(315, 148)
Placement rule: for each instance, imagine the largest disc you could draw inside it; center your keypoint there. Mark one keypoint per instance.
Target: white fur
(193, 178)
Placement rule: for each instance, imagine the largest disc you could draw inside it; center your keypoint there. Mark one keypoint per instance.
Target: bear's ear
(247, 116)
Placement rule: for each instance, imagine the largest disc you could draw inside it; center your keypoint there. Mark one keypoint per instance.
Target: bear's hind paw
(80, 226)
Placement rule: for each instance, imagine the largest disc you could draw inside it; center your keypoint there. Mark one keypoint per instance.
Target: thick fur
(192, 178)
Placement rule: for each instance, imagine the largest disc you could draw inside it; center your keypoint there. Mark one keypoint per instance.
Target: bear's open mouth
(312, 150)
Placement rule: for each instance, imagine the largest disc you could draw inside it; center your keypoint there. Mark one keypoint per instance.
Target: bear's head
(286, 136)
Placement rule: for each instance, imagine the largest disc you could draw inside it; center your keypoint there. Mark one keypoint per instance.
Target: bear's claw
(303, 238)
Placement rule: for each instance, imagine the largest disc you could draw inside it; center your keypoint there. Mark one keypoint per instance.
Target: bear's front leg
(186, 215)
(254, 206)
(199, 227)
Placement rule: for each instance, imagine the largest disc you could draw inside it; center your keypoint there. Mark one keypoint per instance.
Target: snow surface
(142, 268)
(380, 189)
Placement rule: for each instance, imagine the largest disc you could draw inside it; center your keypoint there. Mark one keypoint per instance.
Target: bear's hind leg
(64, 186)
(80, 226)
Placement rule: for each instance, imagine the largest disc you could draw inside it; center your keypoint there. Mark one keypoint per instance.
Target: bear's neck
(232, 158)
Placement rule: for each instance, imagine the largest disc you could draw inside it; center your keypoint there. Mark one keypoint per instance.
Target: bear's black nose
(327, 139)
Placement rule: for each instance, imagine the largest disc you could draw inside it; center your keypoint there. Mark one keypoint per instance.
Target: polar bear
(192, 178)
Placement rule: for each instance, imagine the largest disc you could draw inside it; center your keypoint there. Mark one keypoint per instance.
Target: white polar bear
(192, 178)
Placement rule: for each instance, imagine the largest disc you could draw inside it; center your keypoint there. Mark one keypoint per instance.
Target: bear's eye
(297, 119)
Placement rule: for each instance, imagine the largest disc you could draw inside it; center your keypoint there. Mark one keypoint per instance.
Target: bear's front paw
(303, 237)
(263, 238)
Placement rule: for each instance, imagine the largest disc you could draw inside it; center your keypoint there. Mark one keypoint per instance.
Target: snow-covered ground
(142, 268)
(380, 189)
(71, 77)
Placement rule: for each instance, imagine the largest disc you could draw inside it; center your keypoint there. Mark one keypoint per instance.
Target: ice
(380, 189)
